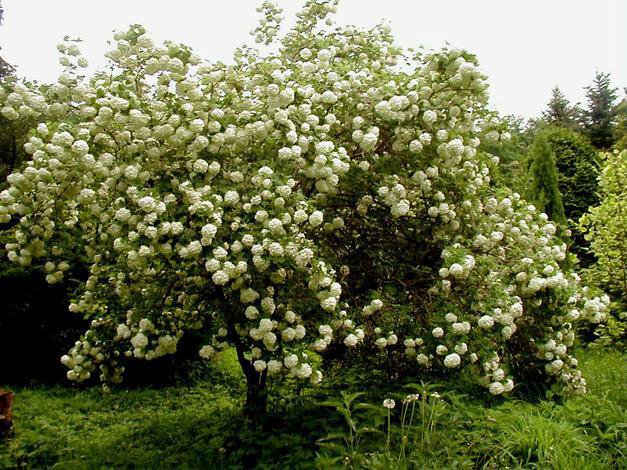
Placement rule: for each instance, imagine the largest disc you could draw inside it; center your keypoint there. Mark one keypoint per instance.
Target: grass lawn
(199, 426)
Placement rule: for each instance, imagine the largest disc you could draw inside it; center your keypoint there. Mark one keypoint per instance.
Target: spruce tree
(559, 111)
(543, 179)
(599, 118)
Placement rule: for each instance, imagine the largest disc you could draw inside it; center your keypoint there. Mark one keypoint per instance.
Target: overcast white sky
(525, 46)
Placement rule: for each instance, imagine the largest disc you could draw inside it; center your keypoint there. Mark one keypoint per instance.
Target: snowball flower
(351, 340)
(437, 332)
(315, 219)
(206, 352)
(259, 365)
(325, 330)
(496, 388)
(274, 367)
(290, 361)
(452, 360)
(429, 117)
(456, 270)
(422, 359)
(485, 322)
(147, 204)
(139, 341)
(220, 278)
(303, 371)
(200, 166)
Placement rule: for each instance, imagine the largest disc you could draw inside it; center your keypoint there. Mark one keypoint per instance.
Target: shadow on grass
(182, 427)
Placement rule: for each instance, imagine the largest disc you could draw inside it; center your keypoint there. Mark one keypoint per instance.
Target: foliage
(601, 413)
(12, 139)
(355, 434)
(315, 196)
(620, 131)
(146, 428)
(543, 189)
(600, 115)
(14, 132)
(605, 226)
(511, 171)
(559, 111)
(577, 165)
(583, 432)
(198, 425)
(372, 439)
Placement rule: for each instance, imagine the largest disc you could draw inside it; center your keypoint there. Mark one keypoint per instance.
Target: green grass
(86, 429)
(199, 425)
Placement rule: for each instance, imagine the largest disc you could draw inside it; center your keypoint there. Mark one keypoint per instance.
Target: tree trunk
(256, 397)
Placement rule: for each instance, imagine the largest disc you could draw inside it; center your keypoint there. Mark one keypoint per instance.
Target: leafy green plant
(377, 436)
(361, 422)
(605, 227)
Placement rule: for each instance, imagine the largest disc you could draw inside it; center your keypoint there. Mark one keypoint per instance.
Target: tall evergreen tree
(543, 179)
(599, 118)
(559, 111)
(577, 163)
(577, 166)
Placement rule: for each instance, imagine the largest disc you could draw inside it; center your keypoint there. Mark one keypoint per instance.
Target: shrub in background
(577, 164)
(578, 170)
(543, 188)
(605, 227)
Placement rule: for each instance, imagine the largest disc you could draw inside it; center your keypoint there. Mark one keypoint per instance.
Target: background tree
(606, 229)
(577, 167)
(543, 179)
(559, 111)
(13, 135)
(599, 117)
(12, 139)
(32, 311)
(620, 131)
(577, 173)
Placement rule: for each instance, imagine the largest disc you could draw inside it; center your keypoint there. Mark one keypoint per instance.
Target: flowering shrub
(326, 190)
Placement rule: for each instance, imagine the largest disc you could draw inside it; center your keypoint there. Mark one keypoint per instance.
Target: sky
(525, 47)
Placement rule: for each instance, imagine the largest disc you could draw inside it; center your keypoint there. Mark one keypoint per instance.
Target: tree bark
(256, 396)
